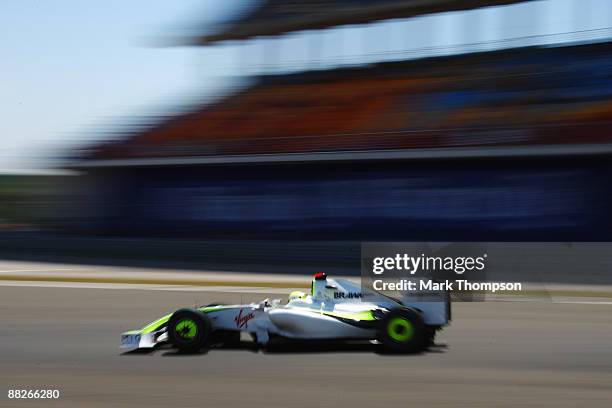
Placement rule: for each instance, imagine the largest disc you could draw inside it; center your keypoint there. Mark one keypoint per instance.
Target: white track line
(138, 286)
(49, 270)
(225, 289)
(584, 302)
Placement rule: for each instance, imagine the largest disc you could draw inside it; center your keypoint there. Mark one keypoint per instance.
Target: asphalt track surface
(494, 354)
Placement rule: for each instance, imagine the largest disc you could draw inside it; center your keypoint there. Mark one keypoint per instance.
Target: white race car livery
(335, 309)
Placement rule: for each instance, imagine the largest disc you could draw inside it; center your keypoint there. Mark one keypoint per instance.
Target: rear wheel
(189, 330)
(403, 331)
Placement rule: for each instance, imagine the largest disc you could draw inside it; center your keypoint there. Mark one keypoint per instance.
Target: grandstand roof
(274, 17)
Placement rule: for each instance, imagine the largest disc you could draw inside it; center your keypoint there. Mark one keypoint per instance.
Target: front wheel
(402, 331)
(189, 330)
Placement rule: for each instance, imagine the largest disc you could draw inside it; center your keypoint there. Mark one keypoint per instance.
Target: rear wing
(435, 305)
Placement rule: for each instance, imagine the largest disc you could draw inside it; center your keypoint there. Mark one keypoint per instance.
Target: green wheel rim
(400, 329)
(187, 329)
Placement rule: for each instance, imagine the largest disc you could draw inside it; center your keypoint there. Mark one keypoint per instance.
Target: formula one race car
(335, 309)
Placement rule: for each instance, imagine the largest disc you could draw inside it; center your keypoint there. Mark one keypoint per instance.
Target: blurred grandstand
(527, 97)
(503, 145)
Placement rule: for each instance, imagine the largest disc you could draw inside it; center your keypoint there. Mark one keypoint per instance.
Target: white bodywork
(337, 310)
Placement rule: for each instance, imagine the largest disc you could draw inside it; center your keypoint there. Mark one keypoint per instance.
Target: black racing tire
(403, 331)
(189, 330)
